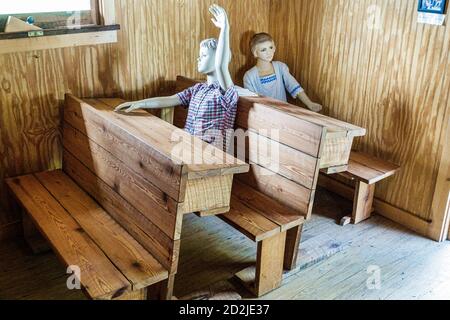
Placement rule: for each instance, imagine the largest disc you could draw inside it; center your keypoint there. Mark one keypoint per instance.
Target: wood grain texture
(285, 191)
(99, 277)
(149, 235)
(249, 221)
(285, 217)
(159, 39)
(122, 138)
(369, 169)
(370, 63)
(154, 204)
(136, 264)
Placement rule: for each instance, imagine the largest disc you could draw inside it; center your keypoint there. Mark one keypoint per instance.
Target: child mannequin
(212, 105)
(272, 78)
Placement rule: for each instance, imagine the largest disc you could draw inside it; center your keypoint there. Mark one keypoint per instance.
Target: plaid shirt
(212, 112)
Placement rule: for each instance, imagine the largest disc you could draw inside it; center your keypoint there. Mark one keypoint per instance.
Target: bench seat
(112, 264)
(369, 169)
(364, 171)
(266, 222)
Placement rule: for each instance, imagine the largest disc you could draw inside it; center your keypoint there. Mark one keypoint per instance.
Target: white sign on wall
(431, 18)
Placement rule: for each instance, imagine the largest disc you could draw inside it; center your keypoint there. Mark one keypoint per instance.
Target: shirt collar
(214, 85)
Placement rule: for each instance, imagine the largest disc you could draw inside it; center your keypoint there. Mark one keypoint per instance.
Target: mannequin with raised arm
(214, 60)
(212, 105)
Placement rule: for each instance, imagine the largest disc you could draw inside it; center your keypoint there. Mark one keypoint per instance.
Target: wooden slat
(332, 125)
(138, 266)
(149, 235)
(97, 123)
(285, 191)
(283, 160)
(207, 195)
(266, 276)
(99, 277)
(250, 222)
(336, 152)
(32, 236)
(298, 134)
(57, 41)
(370, 169)
(363, 201)
(143, 195)
(285, 217)
(293, 238)
(269, 265)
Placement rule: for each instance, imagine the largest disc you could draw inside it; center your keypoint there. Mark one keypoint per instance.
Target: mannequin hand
(132, 106)
(220, 19)
(315, 107)
(127, 107)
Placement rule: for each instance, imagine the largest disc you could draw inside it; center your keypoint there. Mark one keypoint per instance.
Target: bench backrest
(110, 164)
(289, 174)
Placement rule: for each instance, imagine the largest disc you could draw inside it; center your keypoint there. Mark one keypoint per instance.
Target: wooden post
(363, 201)
(269, 264)
(293, 239)
(162, 290)
(32, 236)
(268, 274)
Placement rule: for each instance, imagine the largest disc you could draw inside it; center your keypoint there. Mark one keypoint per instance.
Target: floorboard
(334, 261)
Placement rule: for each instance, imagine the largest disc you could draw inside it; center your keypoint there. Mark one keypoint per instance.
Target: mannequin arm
(311, 105)
(223, 52)
(152, 103)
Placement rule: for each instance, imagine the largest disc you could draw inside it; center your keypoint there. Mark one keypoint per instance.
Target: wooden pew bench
(358, 182)
(112, 264)
(266, 222)
(116, 208)
(272, 201)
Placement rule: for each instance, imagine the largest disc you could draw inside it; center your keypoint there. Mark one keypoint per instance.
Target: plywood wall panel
(158, 41)
(370, 63)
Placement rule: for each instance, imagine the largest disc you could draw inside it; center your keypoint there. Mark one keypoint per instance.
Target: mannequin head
(263, 47)
(207, 57)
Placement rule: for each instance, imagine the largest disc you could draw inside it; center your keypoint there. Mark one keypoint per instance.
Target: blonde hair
(258, 39)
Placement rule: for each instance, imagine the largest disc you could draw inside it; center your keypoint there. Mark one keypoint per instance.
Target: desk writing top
(333, 126)
(197, 158)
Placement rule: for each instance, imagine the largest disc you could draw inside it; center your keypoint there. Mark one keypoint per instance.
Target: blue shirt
(275, 85)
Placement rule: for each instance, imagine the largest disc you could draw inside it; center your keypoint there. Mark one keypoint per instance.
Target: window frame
(104, 31)
(54, 20)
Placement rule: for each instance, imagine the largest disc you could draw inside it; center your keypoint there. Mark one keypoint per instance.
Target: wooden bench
(271, 203)
(112, 264)
(121, 179)
(267, 223)
(358, 183)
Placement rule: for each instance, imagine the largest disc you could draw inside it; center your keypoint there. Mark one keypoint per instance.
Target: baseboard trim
(402, 217)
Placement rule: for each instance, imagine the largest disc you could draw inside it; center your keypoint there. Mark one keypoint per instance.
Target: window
(51, 14)
(61, 23)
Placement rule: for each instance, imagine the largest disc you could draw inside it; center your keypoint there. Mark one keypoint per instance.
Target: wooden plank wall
(158, 41)
(370, 63)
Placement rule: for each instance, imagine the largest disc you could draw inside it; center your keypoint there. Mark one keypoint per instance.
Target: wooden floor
(334, 261)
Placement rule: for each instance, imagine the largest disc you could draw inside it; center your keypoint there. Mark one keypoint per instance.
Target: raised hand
(220, 19)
